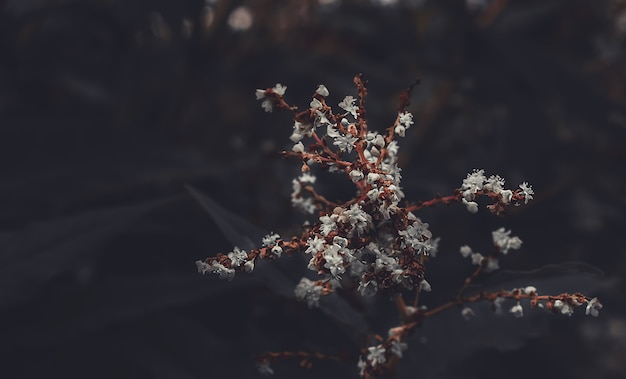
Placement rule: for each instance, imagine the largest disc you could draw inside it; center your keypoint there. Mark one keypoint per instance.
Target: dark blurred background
(109, 109)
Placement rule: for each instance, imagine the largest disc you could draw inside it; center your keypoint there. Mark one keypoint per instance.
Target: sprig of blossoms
(375, 242)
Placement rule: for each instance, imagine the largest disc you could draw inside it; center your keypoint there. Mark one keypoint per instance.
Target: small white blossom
(406, 119)
(356, 175)
(322, 90)
(492, 264)
(527, 191)
(264, 368)
(376, 355)
(277, 250)
(400, 130)
(467, 313)
(593, 307)
(327, 225)
(315, 245)
(530, 290)
(270, 239)
(477, 258)
(497, 305)
(280, 89)
(237, 257)
(398, 347)
(362, 365)
(307, 290)
(506, 196)
(517, 310)
(465, 251)
(248, 266)
(202, 267)
(267, 103)
(495, 183)
(503, 241)
(348, 105)
(307, 178)
(472, 206)
(472, 184)
(334, 260)
(565, 308)
(298, 147)
(315, 104)
(345, 142)
(216, 268)
(425, 286)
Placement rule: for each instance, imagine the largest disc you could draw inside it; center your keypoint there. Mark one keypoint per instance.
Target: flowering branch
(371, 241)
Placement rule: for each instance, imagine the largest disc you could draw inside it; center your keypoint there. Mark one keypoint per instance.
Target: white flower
(202, 267)
(425, 286)
(517, 310)
(497, 305)
(334, 260)
(298, 148)
(530, 290)
(307, 290)
(264, 368)
(237, 257)
(345, 142)
(248, 266)
(376, 355)
(315, 245)
(270, 239)
(400, 130)
(527, 191)
(495, 183)
(473, 183)
(307, 178)
(467, 313)
(362, 365)
(322, 90)
(503, 241)
(398, 347)
(406, 119)
(477, 258)
(327, 225)
(472, 206)
(277, 250)
(347, 104)
(315, 104)
(565, 308)
(356, 175)
(267, 103)
(593, 306)
(465, 251)
(492, 264)
(216, 268)
(506, 196)
(279, 89)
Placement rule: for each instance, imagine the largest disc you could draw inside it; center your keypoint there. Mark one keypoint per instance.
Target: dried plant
(375, 242)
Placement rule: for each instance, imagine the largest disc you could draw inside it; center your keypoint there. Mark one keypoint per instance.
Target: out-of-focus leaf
(118, 300)
(31, 257)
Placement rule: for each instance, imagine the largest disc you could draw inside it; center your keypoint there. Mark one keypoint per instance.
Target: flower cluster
(375, 241)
